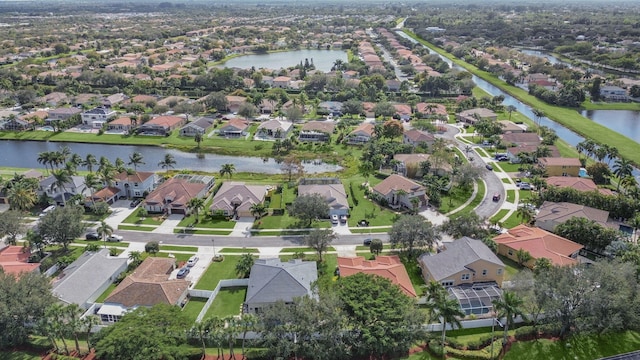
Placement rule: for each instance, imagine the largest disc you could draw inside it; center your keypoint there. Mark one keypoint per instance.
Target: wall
(214, 293)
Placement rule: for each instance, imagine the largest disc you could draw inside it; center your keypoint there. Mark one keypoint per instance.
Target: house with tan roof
(389, 267)
(123, 123)
(281, 82)
(464, 261)
(578, 183)
(330, 189)
(172, 196)
(114, 99)
(398, 191)
(560, 166)
(552, 214)
(55, 98)
(431, 109)
(415, 137)
(96, 117)
(237, 198)
(403, 111)
(471, 116)
(234, 102)
(273, 129)
(108, 194)
(148, 285)
(136, 184)
(511, 127)
(15, 260)
(538, 243)
(362, 134)
(512, 152)
(62, 114)
(520, 139)
(316, 131)
(161, 125)
(235, 127)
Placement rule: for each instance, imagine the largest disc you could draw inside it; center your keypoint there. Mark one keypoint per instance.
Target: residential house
(62, 114)
(512, 152)
(316, 131)
(538, 243)
(114, 99)
(74, 186)
(172, 196)
(331, 189)
(55, 98)
(96, 117)
(272, 280)
(161, 125)
(409, 165)
(613, 93)
(432, 110)
(237, 198)
(137, 184)
(387, 266)
(281, 82)
(464, 261)
(123, 123)
(15, 260)
(393, 85)
(85, 279)
(199, 126)
(108, 194)
(273, 129)
(18, 124)
(333, 108)
(362, 134)
(552, 214)
(415, 137)
(399, 191)
(267, 106)
(578, 183)
(520, 139)
(234, 128)
(234, 102)
(471, 116)
(560, 166)
(511, 127)
(81, 100)
(148, 285)
(403, 112)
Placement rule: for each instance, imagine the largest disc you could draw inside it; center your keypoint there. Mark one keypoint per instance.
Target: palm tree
(523, 256)
(525, 214)
(61, 178)
(196, 204)
(247, 323)
(257, 210)
(119, 165)
(510, 109)
(45, 158)
(227, 169)
(198, 139)
(231, 332)
(89, 162)
(622, 168)
(90, 183)
(73, 314)
(201, 329)
(539, 114)
(135, 256)
(135, 159)
(107, 175)
(21, 196)
(448, 310)
(104, 230)
(635, 224)
(508, 307)
(88, 322)
(168, 162)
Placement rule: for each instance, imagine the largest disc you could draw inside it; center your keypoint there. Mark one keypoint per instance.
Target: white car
(192, 261)
(334, 219)
(115, 238)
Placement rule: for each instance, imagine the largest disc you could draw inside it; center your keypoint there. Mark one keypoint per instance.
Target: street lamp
(213, 243)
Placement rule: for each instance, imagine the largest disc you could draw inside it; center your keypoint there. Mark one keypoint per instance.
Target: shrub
(92, 248)
(46, 264)
(550, 330)
(100, 208)
(435, 348)
(113, 251)
(526, 333)
(256, 354)
(468, 354)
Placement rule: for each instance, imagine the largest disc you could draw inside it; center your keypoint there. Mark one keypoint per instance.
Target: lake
(24, 154)
(322, 59)
(625, 122)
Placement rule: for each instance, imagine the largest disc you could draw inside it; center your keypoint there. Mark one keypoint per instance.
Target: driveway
(243, 226)
(120, 210)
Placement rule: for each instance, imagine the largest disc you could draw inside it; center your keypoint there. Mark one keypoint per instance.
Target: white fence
(214, 293)
(52, 270)
(470, 324)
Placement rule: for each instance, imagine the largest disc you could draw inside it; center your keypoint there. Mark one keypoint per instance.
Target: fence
(214, 293)
(52, 270)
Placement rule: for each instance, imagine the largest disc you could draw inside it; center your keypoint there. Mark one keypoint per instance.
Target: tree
(228, 169)
(448, 310)
(168, 162)
(198, 139)
(413, 231)
(24, 299)
(61, 179)
(376, 246)
(383, 319)
(62, 225)
(244, 265)
(509, 307)
(384, 109)
(146, 333)
(136, 159)
(392, 129)
(599, 172)
(217, 100)
(22, 195)
(196, 204)
(258, 210)
(523, 256)
(152, 247)
(11, 225)
(621, 169)
(104, 230)
(525, 214)
(539, 114)
(510, 109)
(320, 240)
(542, 264)
(248, 110)
(469, 224)
(89, 162)
(247, 322)
(292, 167)
(595, 90)
(308, 208)
(90, 183)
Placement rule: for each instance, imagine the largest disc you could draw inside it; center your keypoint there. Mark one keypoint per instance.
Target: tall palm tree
(248, 322)
(76, 160)
(45, 158)
(539, 114)
(227, 169)
(510, 109)
(119, 165)
(73, 314)
(104, 230)
(168, 162)
(196, 204)
(257, 210)
(91, 182)
(231, 332)
(622, 168)
(107, 175)
(525, 214)
(89, 162)
(61, 178)
(448, 310)
(135, 159)
(21, 196)
(509, 307)
(635, 224)
(88, 322)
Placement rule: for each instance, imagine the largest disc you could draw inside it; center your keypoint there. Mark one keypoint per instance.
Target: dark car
(182, 273)
(135, 202)
(366, 242)
(496, 197)
(489, 167)
(92, 236)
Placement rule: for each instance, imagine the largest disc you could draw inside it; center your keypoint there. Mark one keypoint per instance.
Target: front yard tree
(104, 230)
(11, 226)
(24, 300)
(258, 210)
(413, 231)
(510, 306)
(244, 265)
(62, 225)
(196, 205)
(152, 247)
(469, 224)
(308, 208)
(376, 246)
(398, 322)
(248, 110)
(319, 240)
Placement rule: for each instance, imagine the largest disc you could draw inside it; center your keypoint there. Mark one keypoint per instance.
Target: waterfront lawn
(151, 219)
(228, 302)
(218, 271)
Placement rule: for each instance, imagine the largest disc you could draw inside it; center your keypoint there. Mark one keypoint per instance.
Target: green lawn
(366, 230)
(106, 293)
(218, 271)
(201, 232)
(511, 196)
(506, 181)
(509, 167)
(136, 228)
(121, 244)
(303, 249)
(193, 307)
(366, 209)
(178, 248)
(228, 302)
(500, 214)
(480, 195)
(178, 256)
(511, 267)
(512, 221)
(135, 218)
(455, 198)
(239, 251)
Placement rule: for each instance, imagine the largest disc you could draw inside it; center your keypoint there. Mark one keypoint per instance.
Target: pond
(24, 154)
(322, 59)
(625, 122)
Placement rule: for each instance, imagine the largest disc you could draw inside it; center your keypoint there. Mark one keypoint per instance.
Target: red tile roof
(389, 267)
(15, 259)
(139, 176)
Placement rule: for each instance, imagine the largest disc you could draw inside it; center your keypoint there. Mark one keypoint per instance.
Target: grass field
(193, 307)
(218, 271)
(239, 251)
(178, 248)
(228, 302)
(135, 218)
(135, 227)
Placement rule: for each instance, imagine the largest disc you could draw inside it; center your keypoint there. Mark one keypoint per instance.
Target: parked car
(334, 219)
(115, 238)
(182, 273)
(192, 261)
(524, 186)
(367, 242)
(47, 210)
(496, 197)
(135, 202)
(343, 219)
(92, 236)
(489, 167)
